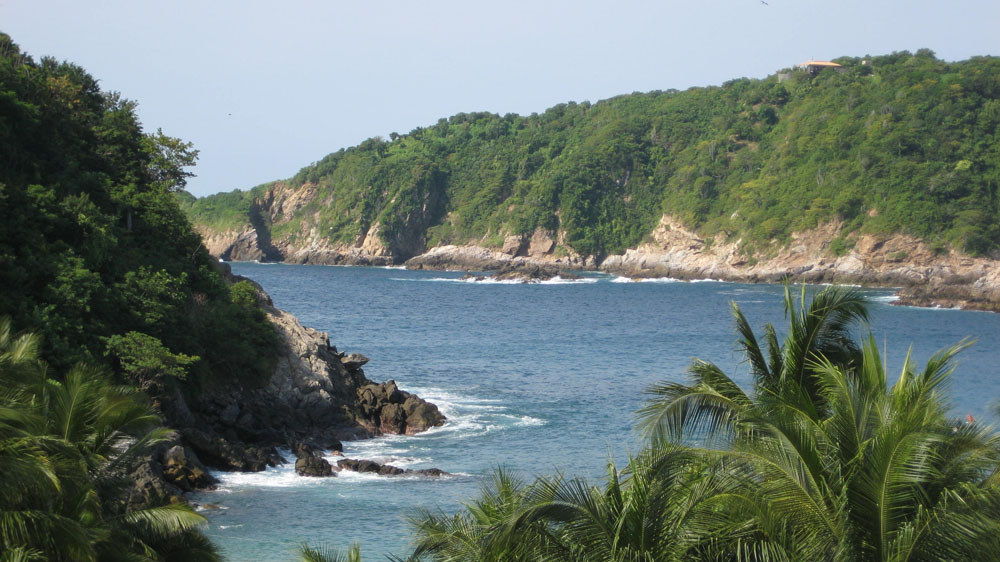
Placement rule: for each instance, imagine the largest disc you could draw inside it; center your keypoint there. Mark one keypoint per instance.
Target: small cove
(538, 378)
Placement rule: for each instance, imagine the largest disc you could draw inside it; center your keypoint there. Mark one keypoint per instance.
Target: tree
(168, 158)
(65, 446)
(831, 462)
(823, 459)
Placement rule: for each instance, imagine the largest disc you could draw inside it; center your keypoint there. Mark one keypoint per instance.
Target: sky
(263, 89)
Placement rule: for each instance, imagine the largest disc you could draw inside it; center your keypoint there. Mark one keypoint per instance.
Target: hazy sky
(265, 88)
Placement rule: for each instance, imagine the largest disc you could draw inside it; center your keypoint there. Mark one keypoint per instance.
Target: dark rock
(435, 472)
(423, 417)
(313, 466)
(386, 409)
(354, 361)
(149, 485)
(392, 419)
(229, 414)
(228, 454)
(182, 468)
(310, 460)
(361, 465)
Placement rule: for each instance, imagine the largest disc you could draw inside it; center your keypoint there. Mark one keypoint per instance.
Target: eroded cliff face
(281, 205)
(926, 277)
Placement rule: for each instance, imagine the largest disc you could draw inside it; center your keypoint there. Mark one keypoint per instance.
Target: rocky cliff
(280, 206)
(925, 277)
(316, 395)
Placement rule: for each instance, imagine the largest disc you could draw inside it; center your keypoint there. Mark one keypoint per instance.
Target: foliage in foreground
(825, 459)
(66, 449)
(896, 143)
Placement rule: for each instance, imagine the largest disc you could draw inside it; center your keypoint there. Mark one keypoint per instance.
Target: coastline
(922, 275)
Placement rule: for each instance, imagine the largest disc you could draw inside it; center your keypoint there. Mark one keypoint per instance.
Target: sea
(539, 379)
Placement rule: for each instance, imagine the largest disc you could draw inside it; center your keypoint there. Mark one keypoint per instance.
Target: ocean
(537, 378)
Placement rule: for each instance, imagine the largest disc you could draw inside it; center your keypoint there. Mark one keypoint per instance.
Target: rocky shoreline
(924, 276)
(316, 395)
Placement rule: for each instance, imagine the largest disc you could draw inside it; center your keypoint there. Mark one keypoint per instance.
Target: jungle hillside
(900, 143)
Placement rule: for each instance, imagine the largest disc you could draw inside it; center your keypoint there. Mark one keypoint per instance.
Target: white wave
(884, 298)
(230, 526)
(392, 267)
(707, 281)
(283, 476)
(531, 421)
(440, 394)
(487, 280)
(621, 279)
(557, 280)
(430, 280)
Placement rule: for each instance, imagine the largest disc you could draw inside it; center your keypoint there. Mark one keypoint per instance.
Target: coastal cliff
(924, 275)
(882, 173)
(316, 395)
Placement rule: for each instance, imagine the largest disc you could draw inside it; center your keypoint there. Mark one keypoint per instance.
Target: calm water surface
(538, 378)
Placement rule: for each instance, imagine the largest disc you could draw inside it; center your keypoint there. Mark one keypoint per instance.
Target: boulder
(353, 361)
(423, 417)
(372, 467)
(387, 409)
(313, 466)
(182, 468)
(310, 461)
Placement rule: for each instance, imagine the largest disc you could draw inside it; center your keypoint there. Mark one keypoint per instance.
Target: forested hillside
(108, 303)
(95, 255)
(897, 143)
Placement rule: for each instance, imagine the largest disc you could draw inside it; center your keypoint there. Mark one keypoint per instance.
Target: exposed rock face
(386, 409)
(229, 453)
(670, 250)
(164, 473)
(310, 461)
(182, 468)
(281, 204)
(316, 394)
(894, 261)
(524, 273)
(477, 258)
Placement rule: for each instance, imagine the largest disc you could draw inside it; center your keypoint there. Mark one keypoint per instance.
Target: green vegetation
(94, 249)
(898, 143)
(826, 459)
(98, 262)
(66, 445)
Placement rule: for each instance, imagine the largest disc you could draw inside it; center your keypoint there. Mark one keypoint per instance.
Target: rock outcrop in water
(373, 467)
(316, 395)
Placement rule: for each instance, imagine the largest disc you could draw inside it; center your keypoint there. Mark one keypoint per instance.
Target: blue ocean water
(539, 378)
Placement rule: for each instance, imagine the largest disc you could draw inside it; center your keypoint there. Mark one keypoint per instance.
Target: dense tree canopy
(119, 300)
(93, 246)
(902, 142)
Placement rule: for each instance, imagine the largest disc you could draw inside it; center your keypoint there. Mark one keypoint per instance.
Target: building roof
(819, 63)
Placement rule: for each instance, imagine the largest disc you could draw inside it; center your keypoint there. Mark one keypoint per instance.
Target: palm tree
(477, 533)
(64, 447)
(825, 460)
(330, 554)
